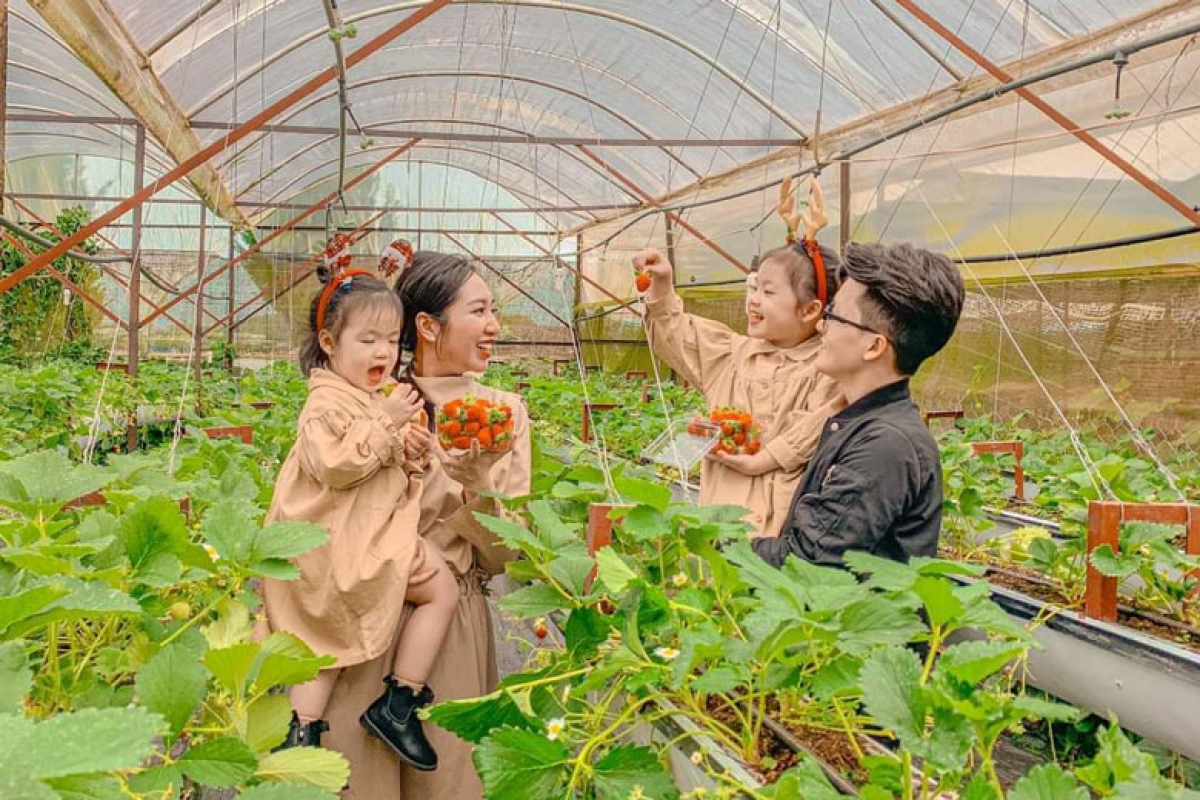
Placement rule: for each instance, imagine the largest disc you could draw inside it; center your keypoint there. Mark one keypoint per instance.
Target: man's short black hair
(913, 295)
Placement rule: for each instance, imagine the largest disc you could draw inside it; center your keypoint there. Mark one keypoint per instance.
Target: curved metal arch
(591, 167)
(49, 76)
(555, 5)
(597, 69)
(162, 163)
(448, 146)
(379, 79)
(518, 194)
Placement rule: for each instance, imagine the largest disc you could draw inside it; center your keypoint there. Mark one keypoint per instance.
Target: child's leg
(310, 699)
(421, 640)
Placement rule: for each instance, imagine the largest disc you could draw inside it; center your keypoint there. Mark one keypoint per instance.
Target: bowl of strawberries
(469, 419)
(739, 433)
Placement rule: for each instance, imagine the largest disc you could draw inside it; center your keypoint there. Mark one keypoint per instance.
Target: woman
(450, 328)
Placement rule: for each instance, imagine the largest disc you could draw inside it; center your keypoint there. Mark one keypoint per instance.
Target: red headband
(341, 280)
(813, 251)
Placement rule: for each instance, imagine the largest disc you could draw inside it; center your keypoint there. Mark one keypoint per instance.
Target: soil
(829, 747)
(1029, 582)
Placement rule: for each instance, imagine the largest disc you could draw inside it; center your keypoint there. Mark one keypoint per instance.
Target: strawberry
(471, 428)
(484, 437)
(540, 629)
(753, 447)
(740, 434)
(643, 281)
(461, 443)
(452, 408)
(739, 439)
(473, 418)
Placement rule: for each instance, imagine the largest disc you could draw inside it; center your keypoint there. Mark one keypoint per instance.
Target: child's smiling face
(772, 307)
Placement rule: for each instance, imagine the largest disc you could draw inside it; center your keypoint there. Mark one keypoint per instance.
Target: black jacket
(874, 484)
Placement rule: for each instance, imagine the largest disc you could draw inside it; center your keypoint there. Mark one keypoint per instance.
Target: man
(875, 481)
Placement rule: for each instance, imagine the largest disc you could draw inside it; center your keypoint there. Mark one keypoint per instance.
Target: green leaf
(646, 493)
(875, 620)
(552, 533)
(612, 570)
(20, 607)
(1114, 565)
(806, 780)
(472, 720)
(154, 529)
(837, 677)
(231, 666)
(720, 680)
(161, 783)
(45, 481)
(265, 724)
(972, 662)
(220, 762)
(891, 685)
(172, 684)
(1048, 782)
(882, 573)
(228, 529)
(628, 768)
(315, 766)
(941, 604)
(81, 742)
(286, 791)
(15, 677)
(1036, 707)
(232, 626)
(517, 764)
(534, 601)
(980, 788)
(88, 788)
(644, 524)
(514, 535)
(572, 572)
(284, 660)
(284, 540)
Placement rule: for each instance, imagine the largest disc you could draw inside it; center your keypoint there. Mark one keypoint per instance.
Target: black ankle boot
(393, 718)
(302, 734)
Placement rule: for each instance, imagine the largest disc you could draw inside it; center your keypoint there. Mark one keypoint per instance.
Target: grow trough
(1151, 685)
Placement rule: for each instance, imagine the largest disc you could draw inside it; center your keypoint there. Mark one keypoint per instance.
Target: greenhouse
(589, 399)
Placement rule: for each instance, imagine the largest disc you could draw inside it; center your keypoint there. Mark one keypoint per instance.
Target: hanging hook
(1120, 61)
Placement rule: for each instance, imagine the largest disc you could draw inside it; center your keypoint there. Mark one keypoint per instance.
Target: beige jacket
(347, 472)
(466, 666)
(779, 387)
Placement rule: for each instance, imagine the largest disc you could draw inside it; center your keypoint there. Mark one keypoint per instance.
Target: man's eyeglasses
(828, 314)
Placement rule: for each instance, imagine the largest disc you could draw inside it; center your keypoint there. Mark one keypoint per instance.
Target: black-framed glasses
(827, 314)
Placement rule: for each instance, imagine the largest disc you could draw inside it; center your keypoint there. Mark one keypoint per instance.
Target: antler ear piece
(396, 256)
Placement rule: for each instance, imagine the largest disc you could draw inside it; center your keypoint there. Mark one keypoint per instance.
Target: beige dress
(779, 387)
(466, 666)
(347, 472)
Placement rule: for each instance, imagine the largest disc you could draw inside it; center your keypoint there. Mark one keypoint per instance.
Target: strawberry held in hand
(740, 434)
(643, 281)
(472, 418)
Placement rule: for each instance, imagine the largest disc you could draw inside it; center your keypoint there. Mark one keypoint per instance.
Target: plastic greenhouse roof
(743, 71)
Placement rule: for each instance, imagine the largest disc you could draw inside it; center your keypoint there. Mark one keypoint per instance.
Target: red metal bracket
(564, 362)
(523, 385)
(262, 405)
(944, 414)
(599, 533)
(636, 373)
(1016, 450)
(112, 366)
(243, 432)
(1104, 527)
(586, 419)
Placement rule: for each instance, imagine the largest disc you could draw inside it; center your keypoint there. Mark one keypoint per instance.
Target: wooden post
(1104, 527)
(599, 533)
(1014, 448)
(198, 327)
(135, 274)
(586, 418)
(231, 284)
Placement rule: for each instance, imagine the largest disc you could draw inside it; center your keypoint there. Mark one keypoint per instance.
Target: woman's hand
(760, 463)
(472, 468)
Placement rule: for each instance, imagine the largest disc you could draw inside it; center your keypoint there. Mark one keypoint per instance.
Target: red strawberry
(739, 439)
(753, 447)
(540, 629)
(643, 281)
(484, 437)
(471, 428)
(452, 408)
(461, 443)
